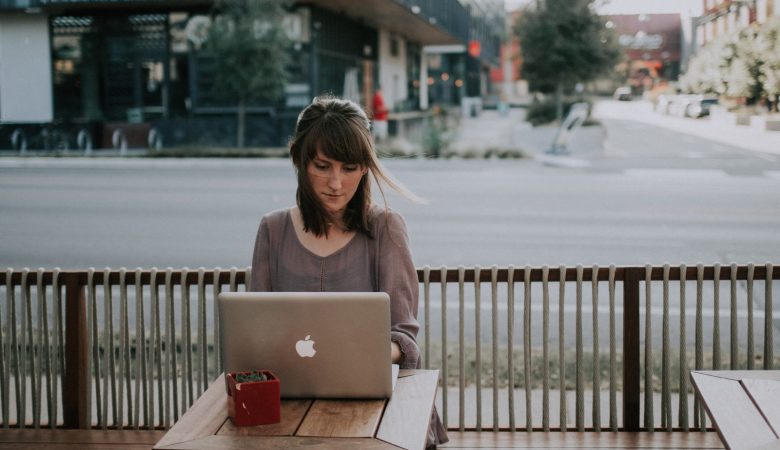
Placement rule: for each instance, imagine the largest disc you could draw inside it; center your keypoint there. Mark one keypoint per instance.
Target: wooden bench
(59, 439)
(587, 439)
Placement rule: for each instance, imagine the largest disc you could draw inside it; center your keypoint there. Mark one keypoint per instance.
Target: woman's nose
(334, 180)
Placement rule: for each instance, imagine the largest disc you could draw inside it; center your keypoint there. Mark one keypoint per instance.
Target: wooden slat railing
(162, 383)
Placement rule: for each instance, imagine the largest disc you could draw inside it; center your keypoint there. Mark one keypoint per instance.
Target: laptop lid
(319, 344)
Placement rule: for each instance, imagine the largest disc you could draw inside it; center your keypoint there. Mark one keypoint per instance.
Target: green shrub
(438, 132)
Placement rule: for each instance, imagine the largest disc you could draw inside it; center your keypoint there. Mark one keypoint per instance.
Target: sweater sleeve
(398, 278)
(261, 272)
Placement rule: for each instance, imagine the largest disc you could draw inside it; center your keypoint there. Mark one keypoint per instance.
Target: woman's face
(333, 182)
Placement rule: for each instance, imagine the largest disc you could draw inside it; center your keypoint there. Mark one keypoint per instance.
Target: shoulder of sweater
(382, 215)
(277, 217)
(387, 222)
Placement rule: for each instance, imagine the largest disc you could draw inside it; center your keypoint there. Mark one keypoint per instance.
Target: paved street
(646, 195)
(205, 213)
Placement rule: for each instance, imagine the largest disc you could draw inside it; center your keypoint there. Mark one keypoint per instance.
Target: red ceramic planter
(253, 402)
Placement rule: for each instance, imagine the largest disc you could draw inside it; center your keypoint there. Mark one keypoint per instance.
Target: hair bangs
(341, 138)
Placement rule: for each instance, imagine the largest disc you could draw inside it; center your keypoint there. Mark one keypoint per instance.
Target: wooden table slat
(408, 412)
(773, 446)
(765, 394)
(277, 442)
(292, 414)
(342, 418)
(738, 375)
(204, 418)
(324, 424)
(739, 423)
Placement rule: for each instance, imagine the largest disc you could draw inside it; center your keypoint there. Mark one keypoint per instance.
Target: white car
(678, 105)
(699, 106)
(622, 93)
(663, 102)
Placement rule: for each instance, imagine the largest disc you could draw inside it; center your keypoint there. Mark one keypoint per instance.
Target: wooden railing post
(75, 391)
(631, 333)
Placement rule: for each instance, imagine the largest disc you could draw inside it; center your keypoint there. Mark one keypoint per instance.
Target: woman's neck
(323, 245)
(337, 222)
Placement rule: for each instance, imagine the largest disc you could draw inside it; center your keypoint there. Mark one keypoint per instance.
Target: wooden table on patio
(744, 405)
(401, 421)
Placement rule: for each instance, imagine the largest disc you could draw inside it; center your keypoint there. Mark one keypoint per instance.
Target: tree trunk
(559, 102)
(241, 123)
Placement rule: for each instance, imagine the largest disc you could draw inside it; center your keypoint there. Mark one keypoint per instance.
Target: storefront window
(413, 77)
(117, 67)
(180, 103)
(74, 69)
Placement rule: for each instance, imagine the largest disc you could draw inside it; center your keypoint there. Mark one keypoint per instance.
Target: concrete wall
(25, 69)
(392, 69)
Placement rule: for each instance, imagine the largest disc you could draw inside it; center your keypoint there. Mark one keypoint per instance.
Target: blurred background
(116, 119)
(167, 74)
(559, 133)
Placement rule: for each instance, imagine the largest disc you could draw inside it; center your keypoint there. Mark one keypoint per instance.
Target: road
(649, 195)
(205, 213)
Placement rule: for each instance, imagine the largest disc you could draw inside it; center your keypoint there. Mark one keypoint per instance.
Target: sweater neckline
(291, 227)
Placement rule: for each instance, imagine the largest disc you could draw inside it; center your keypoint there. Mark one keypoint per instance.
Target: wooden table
(401, 421)
(744, 405)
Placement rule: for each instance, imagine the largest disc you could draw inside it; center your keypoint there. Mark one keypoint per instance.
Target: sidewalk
(735, 135)
(493, 133)
(490, 131)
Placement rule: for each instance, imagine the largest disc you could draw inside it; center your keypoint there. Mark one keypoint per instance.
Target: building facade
(72, 68)
(652, 45)
(514, 89)
(726, 16)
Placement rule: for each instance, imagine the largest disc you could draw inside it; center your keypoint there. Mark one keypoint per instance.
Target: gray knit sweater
(383, 264)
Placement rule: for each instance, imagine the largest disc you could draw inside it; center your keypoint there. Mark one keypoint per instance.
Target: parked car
(623, 93)
(678, 104)
(699, 106)
(662, 103)
(685, 105)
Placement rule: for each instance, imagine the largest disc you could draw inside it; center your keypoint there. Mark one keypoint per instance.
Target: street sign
(577, 115)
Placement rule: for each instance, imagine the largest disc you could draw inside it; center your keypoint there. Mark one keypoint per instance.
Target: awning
(392, 16)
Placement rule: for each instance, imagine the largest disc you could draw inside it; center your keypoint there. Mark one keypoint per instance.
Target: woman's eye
(320, 166)
(350, 168)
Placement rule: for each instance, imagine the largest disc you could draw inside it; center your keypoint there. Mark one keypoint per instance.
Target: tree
(745, 63)
(249, 47)
(769, 38)
(564, 42)
(743, 66)
(704, 74)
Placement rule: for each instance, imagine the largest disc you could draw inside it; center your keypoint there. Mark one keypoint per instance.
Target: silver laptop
(319, 344)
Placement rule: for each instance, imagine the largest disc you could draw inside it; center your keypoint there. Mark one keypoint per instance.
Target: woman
(334, 239)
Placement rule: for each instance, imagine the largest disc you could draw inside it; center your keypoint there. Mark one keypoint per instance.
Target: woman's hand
(395, 353)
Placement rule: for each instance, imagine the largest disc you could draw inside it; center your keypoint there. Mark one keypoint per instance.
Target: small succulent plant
(251, 376)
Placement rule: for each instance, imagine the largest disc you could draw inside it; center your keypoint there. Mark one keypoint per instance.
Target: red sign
(474, 49)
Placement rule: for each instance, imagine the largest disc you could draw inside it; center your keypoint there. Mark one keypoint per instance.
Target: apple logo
(305, 348)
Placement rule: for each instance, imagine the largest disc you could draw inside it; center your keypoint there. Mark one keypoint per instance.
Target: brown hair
(341, 130)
